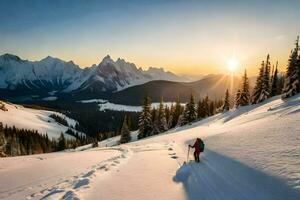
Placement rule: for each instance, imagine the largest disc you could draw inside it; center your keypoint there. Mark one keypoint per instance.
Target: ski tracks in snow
(71, 187)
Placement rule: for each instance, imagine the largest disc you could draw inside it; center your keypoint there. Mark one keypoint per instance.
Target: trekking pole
(187, 159)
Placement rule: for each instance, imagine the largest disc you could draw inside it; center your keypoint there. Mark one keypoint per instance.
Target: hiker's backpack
(201, 146)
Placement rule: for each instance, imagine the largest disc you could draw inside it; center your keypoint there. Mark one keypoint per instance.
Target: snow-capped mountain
(53, 74)
(49, 73)
(112, 75)
(117, 75)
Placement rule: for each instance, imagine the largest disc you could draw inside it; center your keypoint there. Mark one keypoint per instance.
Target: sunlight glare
(232, 64)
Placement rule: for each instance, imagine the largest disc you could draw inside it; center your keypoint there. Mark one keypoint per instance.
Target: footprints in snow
(172, 155)
(81, 183)
(68, 187)
(169, 146)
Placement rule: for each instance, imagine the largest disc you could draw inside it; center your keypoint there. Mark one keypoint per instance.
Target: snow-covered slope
(27, 118)
(53, 74)
(251, 153)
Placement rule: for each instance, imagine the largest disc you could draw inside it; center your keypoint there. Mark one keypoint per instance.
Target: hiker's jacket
(197, 146)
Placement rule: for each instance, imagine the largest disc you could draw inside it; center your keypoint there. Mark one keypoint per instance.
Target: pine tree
(245, 93)
(161, 122)
(2, 141)
(212, 108)
(129, 122)
(281, 79)
(226, 105)
(168, 113)
(266, 77)
(292, 78)
(154, 113)
(183, 118)
(61, 142)
(272, 76)
(190, 113)
(145, 119)
(265, 88)
(200, 110)
(170, 120)
(125, 132)
(176, 114)
(14, 145)
(258, 85)
(206, 106)
(192, 109)
(237, 101)
(274, 87)
(298, 75)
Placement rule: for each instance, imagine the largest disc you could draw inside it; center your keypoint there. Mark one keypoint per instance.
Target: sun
(232, 64)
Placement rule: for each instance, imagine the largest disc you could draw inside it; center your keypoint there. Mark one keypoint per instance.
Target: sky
(185, 37)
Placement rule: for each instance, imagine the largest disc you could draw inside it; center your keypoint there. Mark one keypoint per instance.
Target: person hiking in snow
(199, 147)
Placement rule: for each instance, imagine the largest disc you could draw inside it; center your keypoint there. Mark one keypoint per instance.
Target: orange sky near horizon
(189, 65)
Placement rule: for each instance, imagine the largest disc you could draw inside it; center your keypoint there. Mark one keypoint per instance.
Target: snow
(15, 71)
(110, 142)
(120, 107)
(93, 101)
(46, 175)
(52, 92)
(183, 173)
(252, 152)
(106, 105)
(34, 119)
(51, 98)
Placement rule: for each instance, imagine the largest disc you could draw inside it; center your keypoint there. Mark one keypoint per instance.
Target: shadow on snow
(221, 177)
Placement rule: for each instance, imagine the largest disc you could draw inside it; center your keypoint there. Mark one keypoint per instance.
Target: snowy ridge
(33, 119)
(54, 74)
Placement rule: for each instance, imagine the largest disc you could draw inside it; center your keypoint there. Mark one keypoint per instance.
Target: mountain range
(53, 75)
(117, 81)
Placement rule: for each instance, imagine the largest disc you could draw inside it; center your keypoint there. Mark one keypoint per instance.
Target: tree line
(153, 120)
(16, 142)
(269, 83)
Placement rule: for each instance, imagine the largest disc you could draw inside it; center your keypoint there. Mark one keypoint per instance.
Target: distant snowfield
(93, 101)
(251, 153)
(51, 98)
(33, 119)
(106, 105)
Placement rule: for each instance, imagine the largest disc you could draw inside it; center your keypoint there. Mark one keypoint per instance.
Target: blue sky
(181, 36)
